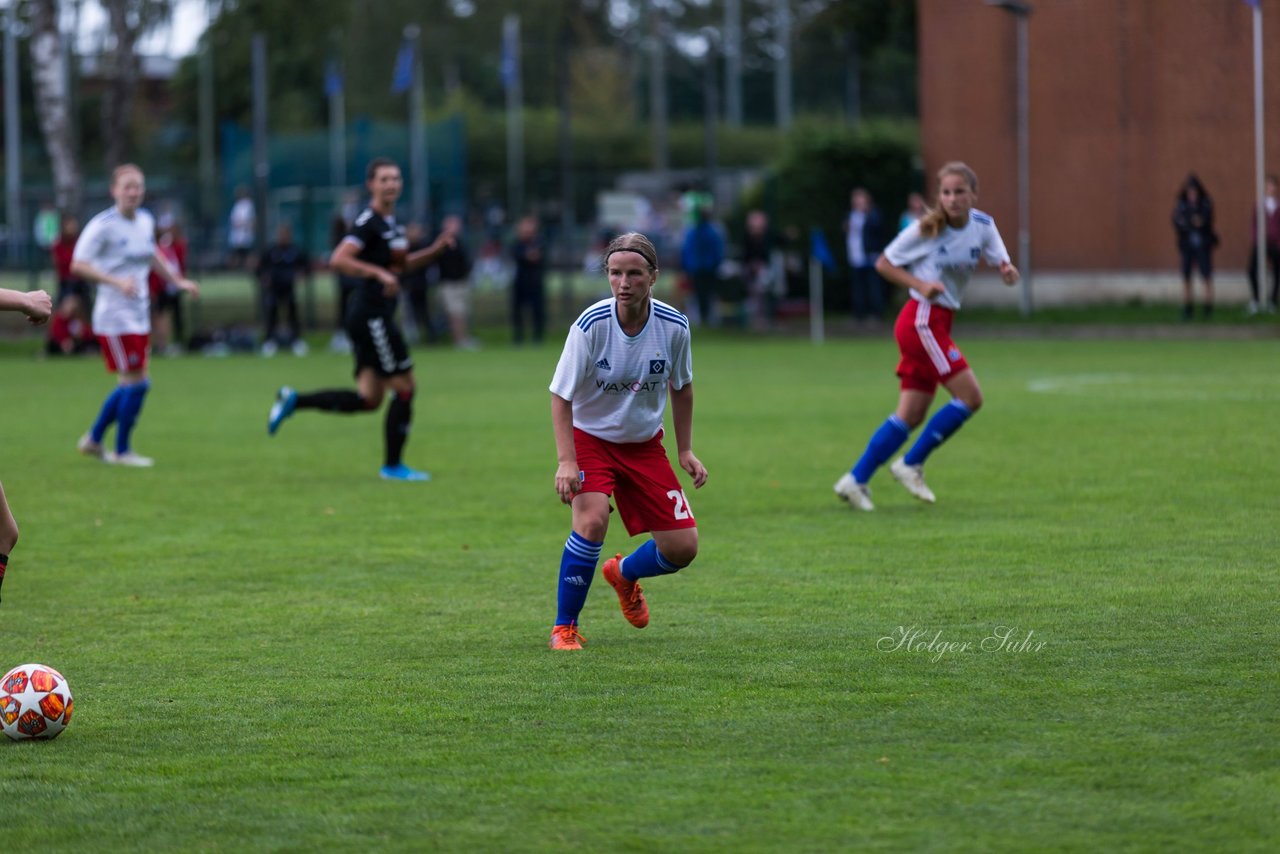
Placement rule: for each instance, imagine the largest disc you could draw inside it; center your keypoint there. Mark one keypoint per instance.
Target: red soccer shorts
(125, 352)
(639, 477)
(929, 356)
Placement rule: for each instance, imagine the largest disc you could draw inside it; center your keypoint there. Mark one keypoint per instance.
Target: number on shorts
(682, 504)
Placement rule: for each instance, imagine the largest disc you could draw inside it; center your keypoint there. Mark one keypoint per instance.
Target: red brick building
(1127, 97)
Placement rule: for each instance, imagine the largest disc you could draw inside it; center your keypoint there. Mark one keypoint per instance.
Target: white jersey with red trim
(120, 247)
(949, 258)
(618, 382)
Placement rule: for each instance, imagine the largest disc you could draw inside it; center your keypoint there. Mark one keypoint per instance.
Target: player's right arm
(344, 260)
(907, 248)
(567, 483)
(36, 305)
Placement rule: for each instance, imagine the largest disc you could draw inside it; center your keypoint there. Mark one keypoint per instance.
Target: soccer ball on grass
(35, 702)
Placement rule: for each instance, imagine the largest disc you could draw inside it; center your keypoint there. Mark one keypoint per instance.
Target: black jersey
(383, 244)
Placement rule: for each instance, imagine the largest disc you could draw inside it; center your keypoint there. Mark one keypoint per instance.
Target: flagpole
(512, 73)
(1259, 157)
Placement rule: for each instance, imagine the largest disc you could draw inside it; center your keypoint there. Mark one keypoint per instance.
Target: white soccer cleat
(128, 458)
(88, 447)
(857, 494)
(912, 478)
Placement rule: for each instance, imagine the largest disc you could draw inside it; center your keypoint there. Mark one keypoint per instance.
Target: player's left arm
(998, 257)
(682, 420)
(161, 265)
(423, 257)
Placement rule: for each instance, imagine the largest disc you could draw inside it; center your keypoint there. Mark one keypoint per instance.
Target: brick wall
(1127, 97)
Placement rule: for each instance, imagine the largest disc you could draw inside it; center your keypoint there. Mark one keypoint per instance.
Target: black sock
(4, 564)
(399, 416)
(332, 400)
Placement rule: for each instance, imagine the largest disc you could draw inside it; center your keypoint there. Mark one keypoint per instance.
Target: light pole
(1021, 10)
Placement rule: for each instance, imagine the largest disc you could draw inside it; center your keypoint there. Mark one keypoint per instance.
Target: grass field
(271, 649)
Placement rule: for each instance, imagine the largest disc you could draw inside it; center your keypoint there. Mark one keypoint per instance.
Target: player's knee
(973, 401)
(8, 537)
(681, 552)
(370, 402)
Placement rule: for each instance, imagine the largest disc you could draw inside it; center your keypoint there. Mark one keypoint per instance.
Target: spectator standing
(347, 286)
(864, 239)
(278, 270)
(1271, 209)
(701, 257)
(528, 288)
(241, 227)
(757, 270)
(167, 326)
(454, 265)
(1193, 223)
(415, 288)
(915, 209)
(62, 248)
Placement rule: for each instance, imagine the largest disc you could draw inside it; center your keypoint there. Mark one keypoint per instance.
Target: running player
(375, 250)
(933, 258)
(621, 359)
(116, 251)
(37, 306)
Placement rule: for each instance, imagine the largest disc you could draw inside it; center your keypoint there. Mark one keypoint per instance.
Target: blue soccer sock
(645, 562)
(130, 406)
(889, 438)
(108, 414)
(577, 568)
(944, 422)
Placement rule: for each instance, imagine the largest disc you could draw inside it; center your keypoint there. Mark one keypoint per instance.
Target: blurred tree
(127, 21)
(49, 81)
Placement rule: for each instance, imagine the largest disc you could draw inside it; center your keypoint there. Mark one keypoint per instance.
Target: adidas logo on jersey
(603, 365)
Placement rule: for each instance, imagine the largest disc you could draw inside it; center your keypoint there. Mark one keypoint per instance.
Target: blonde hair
(633, 241)
(935, 218)
(122, 169)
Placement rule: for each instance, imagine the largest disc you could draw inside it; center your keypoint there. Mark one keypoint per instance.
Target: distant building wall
(1127, 97)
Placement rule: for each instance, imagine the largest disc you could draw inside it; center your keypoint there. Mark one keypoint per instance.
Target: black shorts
(377, 343)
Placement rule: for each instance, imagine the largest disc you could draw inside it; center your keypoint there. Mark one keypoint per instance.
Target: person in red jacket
(68, 282)
(166, 298)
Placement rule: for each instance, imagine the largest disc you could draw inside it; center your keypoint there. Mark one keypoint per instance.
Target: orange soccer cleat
(566, 637)
(630, 595)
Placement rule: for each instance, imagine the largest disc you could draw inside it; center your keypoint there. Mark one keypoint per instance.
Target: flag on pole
(819, 249)
(509, 67)
(332, 79)
(402, 77)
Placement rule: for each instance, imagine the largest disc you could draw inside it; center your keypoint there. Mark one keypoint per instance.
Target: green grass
(272, 649)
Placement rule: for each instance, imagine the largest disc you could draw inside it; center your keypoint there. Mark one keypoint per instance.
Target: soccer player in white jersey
(933, 258)
(116, 250)
(622, 357)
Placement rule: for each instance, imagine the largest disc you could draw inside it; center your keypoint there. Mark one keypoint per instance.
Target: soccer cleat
(128, 458)
(286, 400)
(88, 447)
(403, 472)
(857, 494)
(912, 477)
(630, 595)
(566, 637)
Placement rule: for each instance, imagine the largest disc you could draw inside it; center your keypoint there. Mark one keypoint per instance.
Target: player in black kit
(375, 250)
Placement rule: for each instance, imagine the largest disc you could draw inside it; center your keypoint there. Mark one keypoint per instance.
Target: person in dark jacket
(527, 289)
(1193, 223)
(864, 241)
(701, 257)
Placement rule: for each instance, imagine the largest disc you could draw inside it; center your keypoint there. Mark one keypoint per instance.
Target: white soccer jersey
(618, 382)
(950, 258)
(121, 247)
